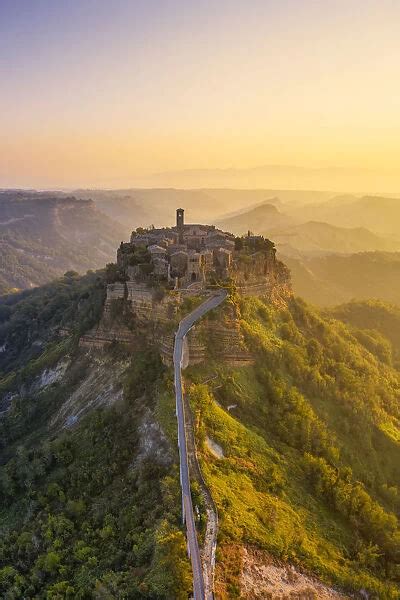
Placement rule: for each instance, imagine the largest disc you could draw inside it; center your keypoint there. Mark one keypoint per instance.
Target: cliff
(138, 315)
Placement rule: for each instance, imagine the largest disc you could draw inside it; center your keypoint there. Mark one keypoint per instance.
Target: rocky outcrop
(134, 304)
(269, 279)
(223, 339)
(264, 577)
(143, 301)
(258, 576)
(102, 335)
(100, 386)
(137, 314)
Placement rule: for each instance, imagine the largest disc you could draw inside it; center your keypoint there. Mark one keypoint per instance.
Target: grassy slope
(313, 431)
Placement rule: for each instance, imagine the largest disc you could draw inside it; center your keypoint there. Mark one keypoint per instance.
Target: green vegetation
(311, 462)
(309, 433)
(30, 320)
(91, 511)
(380, 319)
(89, 514)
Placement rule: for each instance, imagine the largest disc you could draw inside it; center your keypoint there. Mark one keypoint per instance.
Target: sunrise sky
(104, 93)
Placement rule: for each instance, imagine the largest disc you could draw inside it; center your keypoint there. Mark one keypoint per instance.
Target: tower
(180, 220)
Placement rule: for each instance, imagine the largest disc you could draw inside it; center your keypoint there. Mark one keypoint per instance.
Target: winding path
(201, 589)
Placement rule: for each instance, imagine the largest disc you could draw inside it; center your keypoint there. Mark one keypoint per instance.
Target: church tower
(180, 220)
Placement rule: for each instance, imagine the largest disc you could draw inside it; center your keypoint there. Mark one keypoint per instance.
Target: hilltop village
(194, 256)
(160, 272)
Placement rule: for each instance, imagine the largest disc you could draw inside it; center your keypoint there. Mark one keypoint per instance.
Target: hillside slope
(300, 449)
(89, 483)
(333, 279)
(42, 236)
(308, 461)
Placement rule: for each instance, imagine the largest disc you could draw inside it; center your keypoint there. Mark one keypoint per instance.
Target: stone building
(188, 252)
(195, 253)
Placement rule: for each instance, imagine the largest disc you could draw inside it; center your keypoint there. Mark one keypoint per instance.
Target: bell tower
(180, 221)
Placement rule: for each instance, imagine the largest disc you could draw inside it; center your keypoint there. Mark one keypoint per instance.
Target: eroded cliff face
(261, 577)
(220, 338)
(138, 315)
(134, 315)
(264, 278)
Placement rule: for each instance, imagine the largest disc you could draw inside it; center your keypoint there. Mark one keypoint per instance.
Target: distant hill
(42, 236)
(321, 238)
(334, 279)
(265, 218)
(141, 207)
(373, 315)
(380, 215)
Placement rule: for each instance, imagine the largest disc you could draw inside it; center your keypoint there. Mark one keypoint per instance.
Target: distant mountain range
(319, 235)
(377, 213)
(315, 238)
(337, 179)
(263, 218)
(286, 227)
(143, 207)
(42, 236)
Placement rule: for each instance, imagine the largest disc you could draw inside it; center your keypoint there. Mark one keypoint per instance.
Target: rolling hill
(378, 214)
(334, 279)
(265, 217)
(313, 238)
(44, 235)
(143, 207)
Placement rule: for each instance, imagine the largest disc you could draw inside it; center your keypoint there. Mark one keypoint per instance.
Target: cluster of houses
(184, 254)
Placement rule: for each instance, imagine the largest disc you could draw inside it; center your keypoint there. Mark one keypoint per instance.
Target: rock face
(261, 577)
(221, 338)
(267, 278)
(143, 301)
(101, 386)
(143, 312)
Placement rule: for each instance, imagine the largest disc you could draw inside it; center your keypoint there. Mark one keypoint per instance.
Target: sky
(100, 93)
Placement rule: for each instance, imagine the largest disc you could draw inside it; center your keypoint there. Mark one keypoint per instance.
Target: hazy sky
(100, 92)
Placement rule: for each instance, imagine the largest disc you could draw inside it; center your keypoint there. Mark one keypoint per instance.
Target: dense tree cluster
(86, 518)
(29, 320)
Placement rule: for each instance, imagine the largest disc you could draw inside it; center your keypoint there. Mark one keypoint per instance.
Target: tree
(171, 574)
